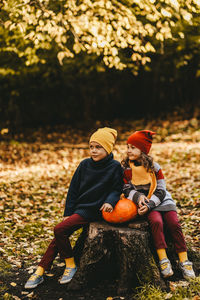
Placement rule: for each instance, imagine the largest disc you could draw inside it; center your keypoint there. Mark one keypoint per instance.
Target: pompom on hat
(106, 137)
(142, 140)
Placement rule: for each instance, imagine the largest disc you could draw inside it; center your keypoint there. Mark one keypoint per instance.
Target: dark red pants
(61, 244)
(169, 219)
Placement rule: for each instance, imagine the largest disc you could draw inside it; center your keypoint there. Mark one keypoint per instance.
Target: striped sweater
(161, 200)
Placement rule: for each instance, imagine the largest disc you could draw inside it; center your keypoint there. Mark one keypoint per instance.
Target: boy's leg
(49, 255)
(45, 263)
(61, 242)
(62, 232)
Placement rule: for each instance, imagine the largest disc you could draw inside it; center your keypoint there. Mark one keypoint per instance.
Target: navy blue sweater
(92, 185)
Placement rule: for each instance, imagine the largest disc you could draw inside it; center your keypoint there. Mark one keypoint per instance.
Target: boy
(95, 186)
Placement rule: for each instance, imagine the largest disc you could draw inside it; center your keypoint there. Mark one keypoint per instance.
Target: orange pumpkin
(125, 210)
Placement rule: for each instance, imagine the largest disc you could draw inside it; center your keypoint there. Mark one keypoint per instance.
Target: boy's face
(133, 152)
(97, 152)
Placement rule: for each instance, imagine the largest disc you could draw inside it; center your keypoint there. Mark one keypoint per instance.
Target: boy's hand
(142, 200)
(142, 210)
(107, 207)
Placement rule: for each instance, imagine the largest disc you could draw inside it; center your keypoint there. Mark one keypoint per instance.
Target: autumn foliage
(66, 61)
(105, 28)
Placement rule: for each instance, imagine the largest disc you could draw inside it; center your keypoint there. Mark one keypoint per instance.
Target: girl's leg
(172, 222)
(61, 242)
(156, 224)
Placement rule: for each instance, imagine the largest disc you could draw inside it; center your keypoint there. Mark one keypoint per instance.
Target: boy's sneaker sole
(34, 285)
(65, 281)
(68, 275)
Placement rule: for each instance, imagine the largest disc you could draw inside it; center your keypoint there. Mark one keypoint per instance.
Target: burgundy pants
(61, 244)
(170, 219)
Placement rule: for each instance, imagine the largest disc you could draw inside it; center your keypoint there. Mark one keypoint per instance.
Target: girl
(145, 185)
(96, 185)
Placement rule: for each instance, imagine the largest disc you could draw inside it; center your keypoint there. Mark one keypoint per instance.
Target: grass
(5, 268)
(178, 291)
(5, 271)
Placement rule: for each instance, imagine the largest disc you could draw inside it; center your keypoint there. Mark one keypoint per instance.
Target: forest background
(68, 67)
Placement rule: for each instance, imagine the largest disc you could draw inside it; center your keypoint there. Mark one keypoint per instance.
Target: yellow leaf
(4, 131)
(198, 73)
(165, 13)
(7, 24)
(13, 284)
(77, 48)
(159, 36)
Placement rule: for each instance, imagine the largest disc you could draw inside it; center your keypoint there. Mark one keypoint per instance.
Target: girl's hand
(65, 218)
(141, 201)
(107, 207)
(142, 210)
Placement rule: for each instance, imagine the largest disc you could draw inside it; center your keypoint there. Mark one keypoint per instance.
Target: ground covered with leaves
(35, 172)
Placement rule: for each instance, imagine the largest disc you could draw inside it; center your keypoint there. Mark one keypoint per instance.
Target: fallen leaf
(49, 274)
(30, 295)
(16, 298)
(168, 296)
(13, 284)
(61, 264)
(24, 293)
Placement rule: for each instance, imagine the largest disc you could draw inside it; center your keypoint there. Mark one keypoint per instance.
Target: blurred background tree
(70, 62)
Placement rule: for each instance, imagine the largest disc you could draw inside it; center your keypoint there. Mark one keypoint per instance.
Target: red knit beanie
(141, 140)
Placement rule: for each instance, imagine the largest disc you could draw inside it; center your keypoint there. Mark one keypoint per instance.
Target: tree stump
(120, 254)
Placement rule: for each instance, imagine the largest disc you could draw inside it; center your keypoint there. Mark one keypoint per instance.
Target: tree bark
(116, 253)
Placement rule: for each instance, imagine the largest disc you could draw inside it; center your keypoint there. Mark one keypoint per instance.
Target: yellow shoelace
(188, 267)
(67, 271)
(33, 277)
(164, 266)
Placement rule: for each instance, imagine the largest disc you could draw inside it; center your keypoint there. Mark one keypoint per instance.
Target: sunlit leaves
(102, 27)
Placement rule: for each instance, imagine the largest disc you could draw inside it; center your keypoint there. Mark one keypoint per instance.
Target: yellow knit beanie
(106, 137)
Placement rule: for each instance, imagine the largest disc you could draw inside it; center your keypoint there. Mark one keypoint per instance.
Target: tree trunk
(121, 255)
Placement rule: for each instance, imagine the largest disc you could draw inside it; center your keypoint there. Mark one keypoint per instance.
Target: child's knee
(58, 230)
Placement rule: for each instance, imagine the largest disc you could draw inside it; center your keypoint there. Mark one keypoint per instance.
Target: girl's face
(133, 152)
(97, 152)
